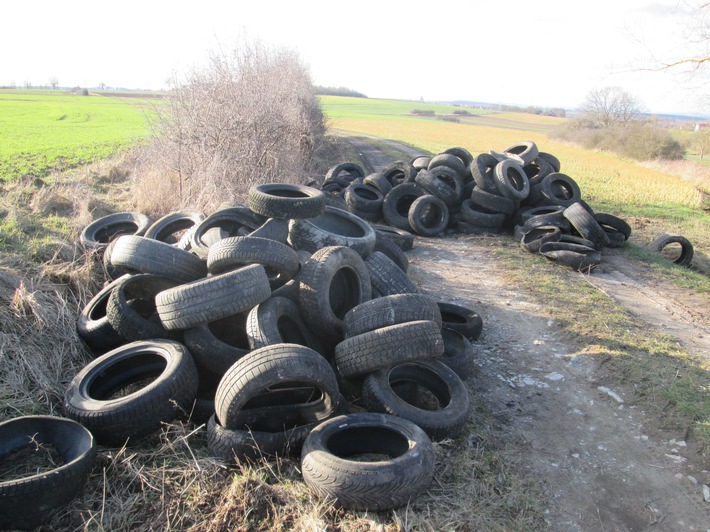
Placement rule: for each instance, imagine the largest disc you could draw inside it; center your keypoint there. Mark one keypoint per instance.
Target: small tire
(395, 207)
(97, 235)
(330, 466)
(166, 227)
(428, 216)
(684, 258)
(286, 200)
(461, 319)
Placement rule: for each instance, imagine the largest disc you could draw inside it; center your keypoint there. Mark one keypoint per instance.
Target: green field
(46, 131)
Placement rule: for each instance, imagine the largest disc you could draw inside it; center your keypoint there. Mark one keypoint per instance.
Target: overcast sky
(544, 52)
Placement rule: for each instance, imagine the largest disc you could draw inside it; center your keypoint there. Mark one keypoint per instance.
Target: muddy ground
(596, 455)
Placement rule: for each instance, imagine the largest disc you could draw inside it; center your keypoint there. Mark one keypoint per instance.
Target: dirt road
(599, 464)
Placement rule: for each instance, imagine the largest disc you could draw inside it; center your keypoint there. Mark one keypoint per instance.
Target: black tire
(560, 189)
(448, 160)
(399, 172)
(526, 150)
(145, 255)
(26, 502)
(378, 181)
(445, 420)
(580, 258)
(217, 345)
(272, 370)
(232, 221)
(333, 281)
(97, 235)
(404, 239)
(387, 346)
(365, 198)
(213, 298)
(278, 321)
(534, 238)
(420, 162)
(537, 171)
(330, 466)
(683, 258)
(113, 420)
(279, 260)
(491, 202)
(386, 277)
(169, 225)
(436, 182)
(555, 219)
(458, 353)
(482, 169)
(461, 319)
(352, 169)
(110, 271)
(428, 216)
(286, 200)
(526, 214)
(390, 310)
(395, 207)
(272, 229)
(613, 223)
(616, 239)
(388, 247)
(335, 227)
(461, 153)
(131, 309)
(550, 159)
(511, 180)
(470, 214)
(585, 224)
(93, 326)
(247, 444)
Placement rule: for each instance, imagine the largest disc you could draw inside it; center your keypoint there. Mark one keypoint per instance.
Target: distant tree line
(610, 119)
(338, 91)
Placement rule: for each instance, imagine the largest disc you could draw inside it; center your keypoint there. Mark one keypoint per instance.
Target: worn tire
(447, 421)
(166, 227)
(387, 346)
(92, 324)
(97, 235)
(395, 207)
(560, 189)
(685, 257)
(511, 180)
(213, 298)
(28, 501)
(333, 281)
(386, 277)
(335, 227)
(114, 420)
(390, 310)
(286, 200)
(461, 319)
(329, 466)
(585, 224)
(428, 216)
(269, 369)
(458, 353)
(526, 150)
(216, 345)
(278, 321)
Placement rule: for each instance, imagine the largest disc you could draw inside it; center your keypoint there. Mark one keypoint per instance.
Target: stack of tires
(266, 323)
(492, 193)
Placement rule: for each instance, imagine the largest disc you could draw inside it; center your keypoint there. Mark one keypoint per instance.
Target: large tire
(145, 255)
(684, 258)
(91, 400)
(278, 321)
(390, 310)
(442, 182)
(335, 227)
(444, 421)
(395, 207)
(333, 281)
(428, 216)
(166, 227)
(461, 319)
(97, 235)
(387, 346)
(286, 200)
(279, 260)
(271, 371)
(26, 502)
(213, 298)
(131, 309)
(330, 466)
(560, 189)
(360, 197)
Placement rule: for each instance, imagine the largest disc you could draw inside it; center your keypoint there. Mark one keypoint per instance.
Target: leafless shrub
(250, 115)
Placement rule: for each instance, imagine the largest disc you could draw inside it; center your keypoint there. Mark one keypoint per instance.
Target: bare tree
(701, 141)
(609, 106)
(54, 82)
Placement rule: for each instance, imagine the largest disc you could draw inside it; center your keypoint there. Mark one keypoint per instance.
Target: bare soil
(601, 461)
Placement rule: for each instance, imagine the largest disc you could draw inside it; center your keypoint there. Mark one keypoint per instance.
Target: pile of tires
(266, 323)
(492, 193)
